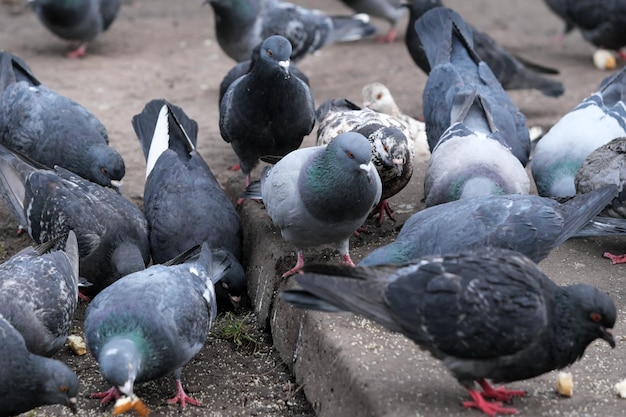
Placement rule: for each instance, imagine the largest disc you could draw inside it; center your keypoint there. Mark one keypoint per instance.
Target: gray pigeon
(601, 23)
(112, 232)
(183, 202)
(149, 324)
(393, 148)
(486, 314)
(78, 21)
(242, 25)
(321, 195)
(528, 224)
(267, 111)
(389, 10)
(513, 72)
(471, 158)
(457, 70)
(39, 293)
(600, 118)
(28, 380)
(52, 129)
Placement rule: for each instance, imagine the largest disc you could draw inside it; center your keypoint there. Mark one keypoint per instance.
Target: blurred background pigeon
(27, 380)
(451, 305)
(242, 25)
(77, 21)
(39, 293)
(321, 195)
(389, 10)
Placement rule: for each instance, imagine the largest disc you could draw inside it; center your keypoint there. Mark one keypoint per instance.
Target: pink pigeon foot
(112, 394)
(615, 259)
(489, 408)
(181, 397)
(389, 37)
(348, 260)
(500, 393)
(235, 167)
(382, 208)
(297, 268)
(79, 52)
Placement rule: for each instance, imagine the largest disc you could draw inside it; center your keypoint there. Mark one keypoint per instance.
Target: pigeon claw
(615, 259)
(489, 408)
(107, 396)
(297, 268)
(181, 397)
(382, 208)
(500, 393)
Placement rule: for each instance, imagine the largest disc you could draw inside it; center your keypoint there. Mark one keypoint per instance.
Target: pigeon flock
(460, 279)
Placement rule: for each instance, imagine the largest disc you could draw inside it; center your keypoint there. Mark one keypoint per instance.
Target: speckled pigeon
(77, 21)
(28, 380)
(528, 224)
(322, 194)
(52, 129)
(457, 69)
(112, 232)
(39, 293)
(486, 314)
(267, 111)
(600, 118)
(149, 324)
(183, 202)
(513, 72)
(389, 10)
(243, 24)
(393, 148)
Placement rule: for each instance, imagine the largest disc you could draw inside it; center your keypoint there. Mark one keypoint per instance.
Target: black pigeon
(150, 324)
(39, 293)
(486, 314)
(267, 111)
(52, 129)
(457, 69)
(27, 380)
(112, 232)
(78, 21)
(242, 25)
(528, 224)
(183, 202)
(513, 72)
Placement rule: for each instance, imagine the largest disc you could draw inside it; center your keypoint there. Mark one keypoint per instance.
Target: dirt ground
(167, 49)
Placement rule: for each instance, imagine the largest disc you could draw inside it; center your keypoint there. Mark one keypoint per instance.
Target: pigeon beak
(117, 186)
(366, 168)
(284, 65)
(399, 164)
(367, 104)
(235, 301)
(607, 334)
(71, 403)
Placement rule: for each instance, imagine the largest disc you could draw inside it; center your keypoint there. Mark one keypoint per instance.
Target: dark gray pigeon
(242, 25)
(456, 69)
(472, 158)
(528, 224)
(389, 10)
(183, 202)
(513, 72)
(39, 293)
(267, 111)
(486, 314)
(393, 148)
(27, 380)
(321, 195)
(112, 232)
(77, 21)
(52, 129)
(150, 324)
(601, 23)
(559, 154)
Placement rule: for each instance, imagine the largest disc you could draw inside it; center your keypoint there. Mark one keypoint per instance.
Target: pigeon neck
(120, 362)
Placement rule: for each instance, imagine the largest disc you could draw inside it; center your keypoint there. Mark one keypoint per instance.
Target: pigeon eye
(597, 317)
(379, 96)
(104, 171)
(350, 154)
(270, 53)
(64, 388)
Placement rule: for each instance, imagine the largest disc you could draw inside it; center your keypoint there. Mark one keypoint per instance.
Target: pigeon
(52, 129)
(321, 195)
(376, 96)
(513, 72)
(267, 111)
(28, 380)
(471, 158)
(529, 224)
(39, 293)
(389, 10)
(456, 69)
(149, 324)
(242, 25)
(183, 202)
(487, 314)
(78, 21)
(600, 23)
(597, 120)
(112, 232)
(393, 149)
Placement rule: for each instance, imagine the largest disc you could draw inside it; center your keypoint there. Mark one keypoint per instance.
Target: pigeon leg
(111, 394)
(79, 52)
(389, 37)
(382, 208)
(298, 267)
(181, 396)
(491, 409)
(615, 259)
(500, 394)
(348, 260)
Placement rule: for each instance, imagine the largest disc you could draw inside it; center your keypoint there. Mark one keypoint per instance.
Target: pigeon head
(277, 49)
(352, 151)
(109, 168)
(120, 363)
(391, 149)
(61, 387)
(378, 98)
(233, 285)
